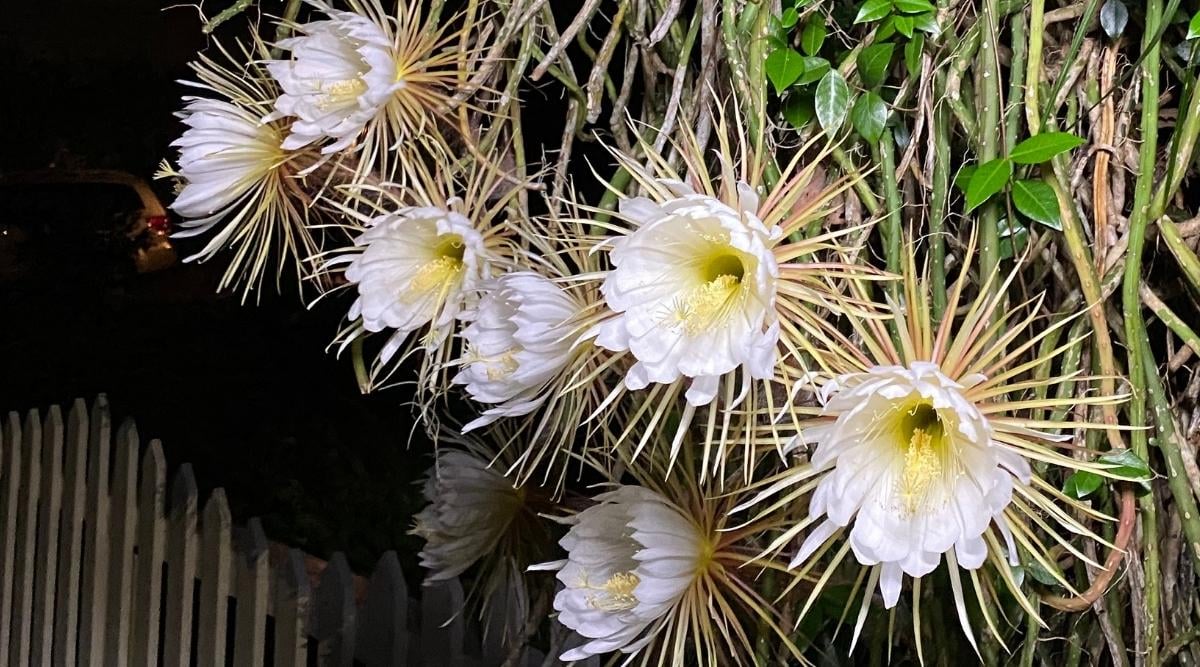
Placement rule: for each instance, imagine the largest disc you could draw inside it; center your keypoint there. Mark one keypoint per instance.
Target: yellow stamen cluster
(714, 300)
(923, 438)
(615, 594)
(441, 271)
(339, 92)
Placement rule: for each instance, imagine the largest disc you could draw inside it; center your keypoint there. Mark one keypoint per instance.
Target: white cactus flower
(342, 73)
(520, 338)
(694, 289)
(630, 560)
(416, 268)
(471, 507)
(914, 467)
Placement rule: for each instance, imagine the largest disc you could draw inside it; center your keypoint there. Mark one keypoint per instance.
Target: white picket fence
(101, 565)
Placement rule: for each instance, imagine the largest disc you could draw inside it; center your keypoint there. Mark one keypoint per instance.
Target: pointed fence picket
(96, 558)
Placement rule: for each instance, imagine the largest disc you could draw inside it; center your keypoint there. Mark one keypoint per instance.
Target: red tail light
(160, 224)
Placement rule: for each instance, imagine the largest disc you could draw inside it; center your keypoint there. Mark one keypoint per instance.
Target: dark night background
(247, 393)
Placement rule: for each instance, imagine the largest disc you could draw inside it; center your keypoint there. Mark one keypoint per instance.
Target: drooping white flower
(341, 74)
(416, 268)
(224, 154)
(234, 176)
(693, 287)
(471, 507)
(630, 559)
(520, 338)
(915, 470)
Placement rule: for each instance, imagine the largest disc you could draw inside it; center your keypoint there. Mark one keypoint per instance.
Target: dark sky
(94, 78)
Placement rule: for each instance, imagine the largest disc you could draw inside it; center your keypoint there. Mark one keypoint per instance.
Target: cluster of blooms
(711, 354)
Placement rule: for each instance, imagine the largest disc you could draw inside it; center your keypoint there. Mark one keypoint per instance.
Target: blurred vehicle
(81, 221)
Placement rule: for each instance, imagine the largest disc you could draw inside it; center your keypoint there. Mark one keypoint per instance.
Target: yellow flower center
(712, 302)
(442, 270)
(923, 439)
(615, 594)
(338, 93)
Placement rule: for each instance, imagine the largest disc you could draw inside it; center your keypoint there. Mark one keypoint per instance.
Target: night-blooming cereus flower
(920, 452)
(235, 174)
(372, 82)
(520, 338)
(630, 560)
(471, 507)
(341, 74)
(416, 267)
(694, 288)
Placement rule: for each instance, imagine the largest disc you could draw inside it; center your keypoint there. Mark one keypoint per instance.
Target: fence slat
(24, 555)
(10, 494)
(151, 547)
(122, 520)
(94, 585)
(216, 562)
(249, 642)
(383, 628)
(292, 601)
(70, 547)
(181, 569)
(47, 546)
(443, 630)
(334, 626)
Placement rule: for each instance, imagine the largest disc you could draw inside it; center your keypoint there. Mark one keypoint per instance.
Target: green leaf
(784, 66)
(1037, 201)
(1194, 26)
(873, 63)
(1013, 238)
(873, 10)
(813, 36)
(798, 109)
(814, 69)
(1128, 466)
(886, 29)
(1081, 484)
(789, 17)
(988, 179)
(904, 25)
(869, 115)
(832, 101)
(914, 6)
(912, 55)
(1038, 149)
(1040, 574)
(964, 176)
(927, 23)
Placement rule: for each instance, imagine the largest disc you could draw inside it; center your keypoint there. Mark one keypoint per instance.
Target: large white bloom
(416, 267)
(630, 559)
(914, 466)
(225, 155)
(471, 507)
(520, 338)
(341, 74)
(693, 287)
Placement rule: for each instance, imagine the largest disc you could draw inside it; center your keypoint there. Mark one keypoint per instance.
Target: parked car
(81, 220)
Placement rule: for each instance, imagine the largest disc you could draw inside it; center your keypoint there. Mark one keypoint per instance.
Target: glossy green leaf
(873, 63)
(814, 69)
(784, 67)
(988, 179)
(873, 10)
(832, 101)
(1081, 484)
(789, 17)
(904, 25)
(798, 109)
(1013, 238)
(1194, 26)
(914, 6)
(927, 23)
(1037, 201)
(964, 176)
(912, 55)
(1042, 147)
(813, 36)
(869, 116)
